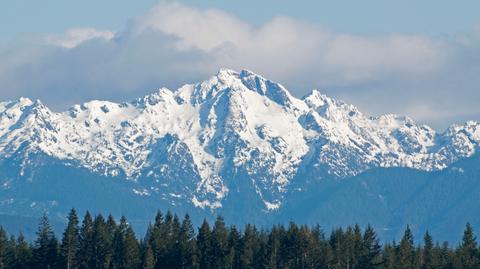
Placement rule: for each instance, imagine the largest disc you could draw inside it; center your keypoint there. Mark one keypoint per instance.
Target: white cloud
(77, 36)
(173, 44)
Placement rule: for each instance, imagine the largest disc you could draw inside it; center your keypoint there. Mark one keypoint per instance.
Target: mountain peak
(232, 126)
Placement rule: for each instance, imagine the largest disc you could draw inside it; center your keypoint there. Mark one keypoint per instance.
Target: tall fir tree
(102, 251)
(126, 249)
(219, 242)
(7, 250)
(3, 247)
(428, 252)
(148, 258)
(158, 241)
(187, 245)
(23, 253)
(86, 245)
(69, 247)
(467, 253)
(131, 250)
(370, 255)
(248, 244)
(234, 238)
(45, 247)
(406, 251)
(204, 242)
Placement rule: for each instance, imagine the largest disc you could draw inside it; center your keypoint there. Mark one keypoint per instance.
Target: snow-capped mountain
(205, 142)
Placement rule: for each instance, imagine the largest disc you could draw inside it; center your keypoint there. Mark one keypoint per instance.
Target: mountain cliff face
(234, 140)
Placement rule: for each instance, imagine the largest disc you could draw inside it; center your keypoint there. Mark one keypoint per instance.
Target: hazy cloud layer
(433, 79)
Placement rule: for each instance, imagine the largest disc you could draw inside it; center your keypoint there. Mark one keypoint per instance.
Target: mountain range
(243, 146)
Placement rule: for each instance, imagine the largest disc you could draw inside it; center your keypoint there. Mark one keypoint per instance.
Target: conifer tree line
(171, 242)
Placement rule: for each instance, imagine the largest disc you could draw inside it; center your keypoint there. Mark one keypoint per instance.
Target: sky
(416, 58)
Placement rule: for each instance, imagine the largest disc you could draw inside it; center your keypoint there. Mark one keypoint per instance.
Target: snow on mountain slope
(200, 141)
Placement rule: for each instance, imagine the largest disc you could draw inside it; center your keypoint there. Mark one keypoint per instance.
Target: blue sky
(419, 58)
(367, 16)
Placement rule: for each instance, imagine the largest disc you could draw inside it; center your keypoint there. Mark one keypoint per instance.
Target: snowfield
(196, 143)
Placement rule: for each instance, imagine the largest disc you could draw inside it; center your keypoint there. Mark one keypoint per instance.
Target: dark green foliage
(467, 253)
(428, 255)
(370, 252)
(187, 245)
(23, 253)
(86, 245)
(69, 247)
(406, 251)
(45, 247)
(219, 245)
(173, 243)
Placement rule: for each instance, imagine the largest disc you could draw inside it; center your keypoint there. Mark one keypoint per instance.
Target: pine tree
(444, 256)
(389, 259)
(86, 245)
(7, 250)
(131, 251)
(370, 255)
(234, 245)
(3, 248)
(467, 252)
(118, 244)
(69, 247)
(406, 251)
(272, 259)
(126, 250)
(174, 227)
(45, 247)
(319, 250)
(23, 253)
(102, 252)
(204, 242)
(187, 245)
(428, 258)
(248, 243)
(219, 244)
(157, 240)
(148, 260)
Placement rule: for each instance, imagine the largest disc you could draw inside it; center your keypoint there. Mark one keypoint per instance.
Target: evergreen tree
(102, 252)
(7, 250)
(86, 245)
(248, 244)
(45, 247)
(118, 244)
(126, 249)
(131, 250)
(428, 258)
(23, 253)
(406, 251)
(187, 245)
(389, 256)
(158, 241)
(100, 243)
(3, 248)
(320, 249)
(204, 242)
(234, 245)
(219, 242)
(467, 253)
(444, 257)
(148, 260)
(174, 247)
(69, 247)
(370, 256)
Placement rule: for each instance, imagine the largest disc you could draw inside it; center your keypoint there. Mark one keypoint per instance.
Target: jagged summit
(234, 130)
